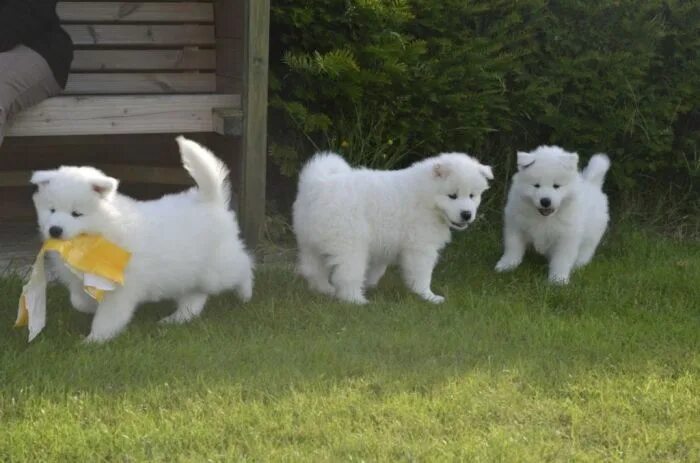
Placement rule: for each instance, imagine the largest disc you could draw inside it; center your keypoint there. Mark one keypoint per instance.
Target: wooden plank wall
(135, 47)
(226, 58)
(23, 155)
(229, 17)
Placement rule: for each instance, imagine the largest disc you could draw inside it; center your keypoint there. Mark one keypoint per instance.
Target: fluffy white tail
(322, 165)
(596, 169)
(210, 174)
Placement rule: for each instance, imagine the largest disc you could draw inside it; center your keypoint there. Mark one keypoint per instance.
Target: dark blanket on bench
(35, 24)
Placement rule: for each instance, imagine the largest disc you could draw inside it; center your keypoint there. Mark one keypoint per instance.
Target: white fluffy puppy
(184, 246)
(350, 224)
(561, 212)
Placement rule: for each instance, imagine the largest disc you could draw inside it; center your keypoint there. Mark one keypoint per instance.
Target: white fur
(350, 224)
(577, 214)
(184, 246)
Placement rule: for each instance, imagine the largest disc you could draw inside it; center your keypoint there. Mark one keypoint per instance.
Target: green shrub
(387, 82)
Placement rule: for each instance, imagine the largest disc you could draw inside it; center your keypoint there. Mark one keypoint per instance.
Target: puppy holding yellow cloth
(183, 246)
(94, 260)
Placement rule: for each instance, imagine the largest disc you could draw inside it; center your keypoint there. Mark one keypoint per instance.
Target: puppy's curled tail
(210, 174)
(596, 169)
(323, 165)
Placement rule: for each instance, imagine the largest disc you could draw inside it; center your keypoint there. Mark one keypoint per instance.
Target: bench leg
(254, 149)
(252, 199)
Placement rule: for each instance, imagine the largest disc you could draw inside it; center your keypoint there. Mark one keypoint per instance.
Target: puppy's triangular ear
(42, 177)
(571, 161)
(525, 160)
(440, 170)
(104, 186)
(486, 171)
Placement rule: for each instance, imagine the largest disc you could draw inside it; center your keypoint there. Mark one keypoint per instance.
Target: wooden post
(254, 142)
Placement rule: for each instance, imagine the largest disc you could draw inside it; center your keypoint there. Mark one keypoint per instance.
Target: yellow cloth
(97, 261)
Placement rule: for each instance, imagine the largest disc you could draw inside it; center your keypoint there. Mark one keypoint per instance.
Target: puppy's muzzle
(546, 208)
(459, 225)
(55, 231)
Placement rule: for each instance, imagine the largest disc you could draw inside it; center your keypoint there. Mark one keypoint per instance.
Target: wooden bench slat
(124, 60)
(147, 174)
(185, 12)
(135, 35)
(135, 84)
(125, 173)
(99, 115)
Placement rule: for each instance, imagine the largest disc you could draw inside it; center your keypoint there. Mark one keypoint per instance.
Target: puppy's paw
(176, 318)
(83, 303)
(558, 279)
(505, 265)
(322, 287)
(353, 297)
(245, 291)
(358, 300)
(433, 298)
(95, 339)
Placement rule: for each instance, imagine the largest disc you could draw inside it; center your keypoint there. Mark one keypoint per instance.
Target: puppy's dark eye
(52, 210)
(556, 186)
(76, 214)
(537, 185)
(471, 196)
(452, 196)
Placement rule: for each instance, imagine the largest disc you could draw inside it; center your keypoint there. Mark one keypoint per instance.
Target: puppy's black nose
(465, 215)
(546, 202)
(55, 232)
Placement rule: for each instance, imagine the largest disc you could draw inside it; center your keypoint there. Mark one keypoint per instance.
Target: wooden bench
(166, 67)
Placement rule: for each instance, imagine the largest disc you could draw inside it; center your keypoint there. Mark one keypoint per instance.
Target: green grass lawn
(508, 369)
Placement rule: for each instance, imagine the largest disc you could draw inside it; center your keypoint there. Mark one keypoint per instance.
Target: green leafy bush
(387, 82)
